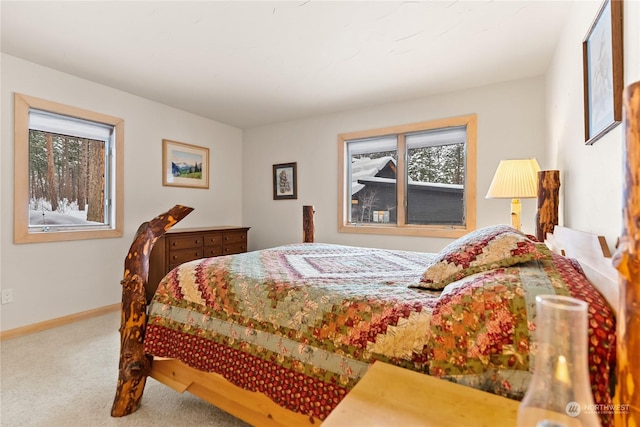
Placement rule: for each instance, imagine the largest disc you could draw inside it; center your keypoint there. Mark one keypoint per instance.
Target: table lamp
(515, 179)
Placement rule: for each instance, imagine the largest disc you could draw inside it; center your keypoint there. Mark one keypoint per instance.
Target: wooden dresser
(181, 245)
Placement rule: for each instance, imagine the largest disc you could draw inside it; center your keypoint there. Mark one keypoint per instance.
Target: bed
(279, 336)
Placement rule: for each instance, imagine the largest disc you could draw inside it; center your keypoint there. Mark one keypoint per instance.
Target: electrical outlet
(7, 296)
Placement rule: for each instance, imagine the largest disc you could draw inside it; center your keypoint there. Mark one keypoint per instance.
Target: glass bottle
(559, 393)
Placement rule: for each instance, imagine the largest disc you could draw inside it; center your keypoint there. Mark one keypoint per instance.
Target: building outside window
(416, 179)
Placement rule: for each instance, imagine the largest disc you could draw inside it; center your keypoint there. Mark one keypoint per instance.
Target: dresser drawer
(172, 266)
(211, 251)
(234, 238)
(184, 255)
(185, 242)
(213, 239)
(235, 248)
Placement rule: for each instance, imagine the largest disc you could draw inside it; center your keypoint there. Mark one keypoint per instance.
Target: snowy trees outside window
(68, 177)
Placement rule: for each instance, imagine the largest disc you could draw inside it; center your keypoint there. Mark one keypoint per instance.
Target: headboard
(592, 252)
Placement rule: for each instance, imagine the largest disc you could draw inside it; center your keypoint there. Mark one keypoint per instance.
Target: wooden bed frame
(620, 287)
(135, 366)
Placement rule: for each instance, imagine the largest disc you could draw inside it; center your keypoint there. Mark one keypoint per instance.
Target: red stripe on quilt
(288, 388)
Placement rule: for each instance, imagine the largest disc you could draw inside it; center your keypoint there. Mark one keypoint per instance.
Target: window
(68, 172)
(415, 179)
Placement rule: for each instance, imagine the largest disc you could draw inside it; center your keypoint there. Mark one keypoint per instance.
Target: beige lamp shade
(515, 179)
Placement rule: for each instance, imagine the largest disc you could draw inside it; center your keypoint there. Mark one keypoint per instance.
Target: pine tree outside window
(71, 184)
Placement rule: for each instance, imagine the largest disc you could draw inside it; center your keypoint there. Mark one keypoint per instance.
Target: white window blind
(71, 126)
(437, 137)
(372, 145)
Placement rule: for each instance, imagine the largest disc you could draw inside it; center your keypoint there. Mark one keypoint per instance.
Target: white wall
(591, 176)
(511, 124)
(51, 280)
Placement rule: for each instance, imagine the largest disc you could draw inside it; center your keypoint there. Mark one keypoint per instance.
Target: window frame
(22, 233)
(402, 228)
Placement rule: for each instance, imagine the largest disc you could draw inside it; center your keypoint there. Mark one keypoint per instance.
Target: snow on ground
(56, 218)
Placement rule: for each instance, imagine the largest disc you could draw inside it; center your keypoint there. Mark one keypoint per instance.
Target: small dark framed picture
(602, 68)
(285, 181)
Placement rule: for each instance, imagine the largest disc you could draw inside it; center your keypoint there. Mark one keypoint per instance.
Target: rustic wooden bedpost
(134, 365)
(628, 264)
(308, 228)
(548, 195)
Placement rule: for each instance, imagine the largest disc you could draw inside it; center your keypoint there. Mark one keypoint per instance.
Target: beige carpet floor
(67, 377)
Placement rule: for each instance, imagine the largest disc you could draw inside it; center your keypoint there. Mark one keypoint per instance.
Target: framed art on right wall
(602, 68)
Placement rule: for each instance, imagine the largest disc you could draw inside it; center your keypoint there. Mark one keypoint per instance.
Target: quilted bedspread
(302, 323)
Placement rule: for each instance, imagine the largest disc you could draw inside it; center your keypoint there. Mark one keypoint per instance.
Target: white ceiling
(252, 63)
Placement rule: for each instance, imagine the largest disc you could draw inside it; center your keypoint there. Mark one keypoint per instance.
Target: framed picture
(184, 165)
(602, 68)
(285, 181)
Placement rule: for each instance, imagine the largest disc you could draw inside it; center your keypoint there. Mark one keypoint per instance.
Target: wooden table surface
(391, 396)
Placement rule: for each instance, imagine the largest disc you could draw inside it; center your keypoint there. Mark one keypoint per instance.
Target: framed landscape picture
(602, 68)
(184, 165)
(285, 185)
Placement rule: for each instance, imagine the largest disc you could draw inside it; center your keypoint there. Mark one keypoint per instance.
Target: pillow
(481, 250)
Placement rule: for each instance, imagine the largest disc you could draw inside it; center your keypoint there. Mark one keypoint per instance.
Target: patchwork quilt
(302, 323)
